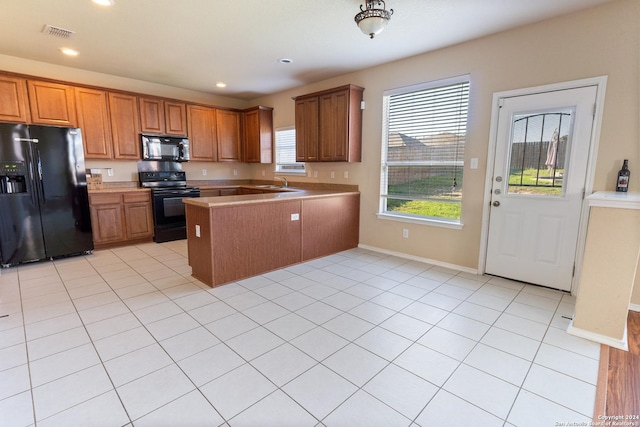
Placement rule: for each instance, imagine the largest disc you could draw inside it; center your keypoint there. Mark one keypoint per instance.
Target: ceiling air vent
(52, 30)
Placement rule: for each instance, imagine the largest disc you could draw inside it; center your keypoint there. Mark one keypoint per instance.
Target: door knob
(496, 203)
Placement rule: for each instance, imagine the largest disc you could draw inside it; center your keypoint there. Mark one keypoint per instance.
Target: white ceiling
(193, 44)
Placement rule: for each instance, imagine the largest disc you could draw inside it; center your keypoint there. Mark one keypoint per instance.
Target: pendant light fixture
(372, 20)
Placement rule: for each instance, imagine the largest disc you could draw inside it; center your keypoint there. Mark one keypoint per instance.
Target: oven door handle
(177, 192)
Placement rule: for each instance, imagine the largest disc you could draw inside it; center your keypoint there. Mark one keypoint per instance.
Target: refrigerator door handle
(39, 180)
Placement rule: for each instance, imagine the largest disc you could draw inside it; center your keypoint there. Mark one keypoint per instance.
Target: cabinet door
(13, 100)
(139, 220)
(51, 104)
(228, 133)
(107, 223)
(307, 129)
(258, 135)
(175, 118)
(202, 135)
(125, 128)
(93, 118)
(333, 126)
(152, 116)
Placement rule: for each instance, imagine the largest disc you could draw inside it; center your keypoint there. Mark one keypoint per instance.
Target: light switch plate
(197, 230)
(295, 217)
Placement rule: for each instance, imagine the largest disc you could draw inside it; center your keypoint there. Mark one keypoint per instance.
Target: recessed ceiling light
(104, 2)
(285, 60)
(221, 84)
(69, 52)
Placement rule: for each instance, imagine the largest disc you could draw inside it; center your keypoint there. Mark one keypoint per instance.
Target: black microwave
(168, 148)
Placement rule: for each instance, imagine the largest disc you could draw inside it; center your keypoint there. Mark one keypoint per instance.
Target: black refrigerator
(44, 205)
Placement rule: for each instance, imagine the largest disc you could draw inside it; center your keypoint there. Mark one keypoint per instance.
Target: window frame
(404, 217)
(287, 171)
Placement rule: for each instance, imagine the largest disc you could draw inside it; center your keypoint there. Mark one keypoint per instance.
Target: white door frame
(600, 83)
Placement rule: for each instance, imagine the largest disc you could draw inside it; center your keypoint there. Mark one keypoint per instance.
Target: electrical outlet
(474, 163)
(405, 233)
(263, 172)
(197, 230)
(346, 174)
(110, 171)
(204, 172)
(333, 174)
(235, 172)
(315, 174)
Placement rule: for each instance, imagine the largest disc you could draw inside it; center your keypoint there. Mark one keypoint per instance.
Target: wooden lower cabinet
(121, 217)
(236, 241)
(107, 219)
(138, 214)
(330, 225)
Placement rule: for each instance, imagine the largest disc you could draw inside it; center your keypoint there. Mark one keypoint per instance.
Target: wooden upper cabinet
(125, 128)
(333, 136)
(52, 103)
(175, 114)
(228, 135)
(151, 115)
(162, 117)
(307, 129)
(202, 133)
(93, 119)
(329, 125)
(14, 104)
(258, 135)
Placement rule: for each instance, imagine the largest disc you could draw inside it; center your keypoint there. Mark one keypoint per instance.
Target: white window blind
(423, 149)
(286, 151)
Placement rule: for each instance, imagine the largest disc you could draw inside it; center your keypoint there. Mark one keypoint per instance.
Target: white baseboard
(420, 259)
(634, 307)
(602, 339)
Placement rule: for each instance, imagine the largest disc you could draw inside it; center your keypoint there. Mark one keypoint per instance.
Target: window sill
(422, 221)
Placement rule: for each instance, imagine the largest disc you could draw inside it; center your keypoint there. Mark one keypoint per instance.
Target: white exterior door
(538, 181)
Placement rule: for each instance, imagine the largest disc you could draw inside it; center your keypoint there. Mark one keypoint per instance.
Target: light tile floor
(127, 337)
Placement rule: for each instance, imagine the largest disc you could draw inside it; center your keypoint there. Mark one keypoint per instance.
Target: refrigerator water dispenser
(12, 178)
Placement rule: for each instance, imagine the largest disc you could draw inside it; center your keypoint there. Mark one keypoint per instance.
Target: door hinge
(573, 272)
(594, 110)
(500, 102)
(583, 193)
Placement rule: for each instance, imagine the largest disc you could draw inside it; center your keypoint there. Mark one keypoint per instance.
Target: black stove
(168, 188)
(163, 179)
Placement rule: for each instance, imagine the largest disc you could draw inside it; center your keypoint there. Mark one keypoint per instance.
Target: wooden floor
(618, 390)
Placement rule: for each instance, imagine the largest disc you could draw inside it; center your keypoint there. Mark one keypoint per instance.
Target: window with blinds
(423, 150)
(286, 151)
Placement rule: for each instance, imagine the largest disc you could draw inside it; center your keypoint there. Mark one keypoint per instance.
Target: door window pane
(539, 152)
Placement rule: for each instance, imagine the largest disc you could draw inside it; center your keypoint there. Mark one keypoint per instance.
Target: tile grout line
(322, 325)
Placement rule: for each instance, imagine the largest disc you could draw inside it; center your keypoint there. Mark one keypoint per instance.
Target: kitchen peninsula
(234, 237)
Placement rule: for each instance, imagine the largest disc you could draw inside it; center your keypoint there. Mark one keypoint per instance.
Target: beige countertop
(118, 190)
(274, 194)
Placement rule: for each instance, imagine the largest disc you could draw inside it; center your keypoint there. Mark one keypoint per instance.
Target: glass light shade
(372, 25)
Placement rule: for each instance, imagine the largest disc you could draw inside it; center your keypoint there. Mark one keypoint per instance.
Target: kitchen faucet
(283, 179)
